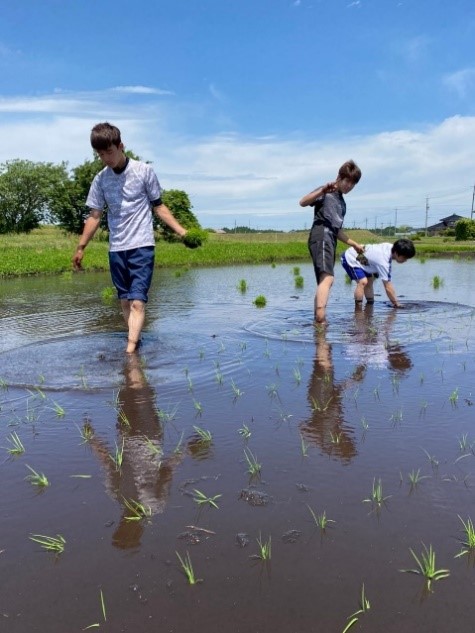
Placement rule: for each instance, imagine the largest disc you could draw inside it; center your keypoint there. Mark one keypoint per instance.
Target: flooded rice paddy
(290, 467)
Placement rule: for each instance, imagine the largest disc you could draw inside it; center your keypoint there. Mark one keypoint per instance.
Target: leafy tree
(179, 204)
(465, 230)
(26, 192)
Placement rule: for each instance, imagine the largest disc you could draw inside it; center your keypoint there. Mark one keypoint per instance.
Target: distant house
(445, 223)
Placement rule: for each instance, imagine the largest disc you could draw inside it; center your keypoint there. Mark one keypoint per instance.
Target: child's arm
(310, 199)
(343, 237)
(90, 227)
(163, 213)
(391, 292)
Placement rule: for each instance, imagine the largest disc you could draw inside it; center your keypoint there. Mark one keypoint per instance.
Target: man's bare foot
(132, 346)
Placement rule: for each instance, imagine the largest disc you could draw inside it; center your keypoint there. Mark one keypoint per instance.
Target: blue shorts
(355, 273)
(131, 272)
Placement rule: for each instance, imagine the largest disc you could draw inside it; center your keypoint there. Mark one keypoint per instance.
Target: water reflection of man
(145, 475)
(326, 426)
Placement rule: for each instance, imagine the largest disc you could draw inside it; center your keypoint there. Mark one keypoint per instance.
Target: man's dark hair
(404, 247)
(350, 170)
(104, 135)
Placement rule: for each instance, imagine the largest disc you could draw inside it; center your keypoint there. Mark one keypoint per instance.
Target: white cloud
(141, 90)
(231, 177)
(462, 82)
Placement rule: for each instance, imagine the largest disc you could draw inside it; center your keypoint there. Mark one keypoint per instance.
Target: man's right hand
(77, 259)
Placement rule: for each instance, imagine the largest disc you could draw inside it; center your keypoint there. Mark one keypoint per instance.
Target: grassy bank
(49, 251)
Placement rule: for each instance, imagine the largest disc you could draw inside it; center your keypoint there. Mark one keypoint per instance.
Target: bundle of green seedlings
(194, 238)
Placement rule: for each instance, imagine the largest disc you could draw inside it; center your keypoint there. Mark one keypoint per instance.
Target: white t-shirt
(128, 197)
(379, 259)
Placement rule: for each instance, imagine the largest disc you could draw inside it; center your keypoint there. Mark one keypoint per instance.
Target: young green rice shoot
(87, 432)
(296, 271)
(118, 456)
(464, 444)
(336, 438)
(297, 375)
(205, 436)
(242, 285)
(237, 393)
(321, 520)
(244, 432)
(469, 541)
(376, 498)
(200, 498)
(265, 548)
(320, 406)
(415, 477)
(198, 407)
(437, 282)
(138, 511)
(17, 447)
(365, 606)
(37, 479)
(260, 301)
(253, 466)
(303, 446)
(299, 281)
(454, 396)
(50, 543)
(187, 568)
(426, 566)
(58, 409)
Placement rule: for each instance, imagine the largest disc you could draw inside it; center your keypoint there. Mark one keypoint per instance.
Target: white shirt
(379, 258)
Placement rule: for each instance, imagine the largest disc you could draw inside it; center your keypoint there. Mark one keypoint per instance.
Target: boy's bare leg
(134, 314)
(369, 291)
(321, 296)
(360, 289)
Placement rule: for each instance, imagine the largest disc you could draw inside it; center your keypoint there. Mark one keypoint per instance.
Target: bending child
(376, 261)
(329, 212)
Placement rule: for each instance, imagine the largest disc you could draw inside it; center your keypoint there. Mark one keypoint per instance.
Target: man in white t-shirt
(130, 190)
(376, 261)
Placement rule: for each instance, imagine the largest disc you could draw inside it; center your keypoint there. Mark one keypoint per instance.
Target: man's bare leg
(134, 316)
(321, 297)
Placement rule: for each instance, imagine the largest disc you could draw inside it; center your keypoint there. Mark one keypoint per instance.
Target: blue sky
(249, 104)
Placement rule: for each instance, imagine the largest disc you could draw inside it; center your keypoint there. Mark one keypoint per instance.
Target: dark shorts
(354, 273)
(322, 247)
(131, 272)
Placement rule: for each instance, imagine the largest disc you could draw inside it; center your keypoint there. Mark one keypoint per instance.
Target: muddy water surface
(381, 396)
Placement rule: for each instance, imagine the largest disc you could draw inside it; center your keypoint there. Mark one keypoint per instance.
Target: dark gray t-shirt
(329, 211)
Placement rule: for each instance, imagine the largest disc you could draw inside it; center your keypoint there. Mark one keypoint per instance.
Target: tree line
(36, 193)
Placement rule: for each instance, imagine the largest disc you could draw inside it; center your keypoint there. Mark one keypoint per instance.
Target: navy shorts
(354, 273)
(131, 272)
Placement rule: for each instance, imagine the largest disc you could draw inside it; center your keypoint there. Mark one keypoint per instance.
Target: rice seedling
(243, 346)
(376, 392)
(253, 466)
(320, 406)
(38, 393)
(426, 566)
(296, 271)
(138, 510)
(200, 498)
(222, 347)
(297, 375)
(335, 438)
(396, 416)
(395, 381)
(177, 450)
(298, 281)
(437, 282)
(321, 520)
(58, 409)
(415, 477)
(153, 448)
(219, 377)
(267, 350)
(3, 384)
(464, 444)
(260, 301)
(365, 606)
(82, 376)
(432, 459)
(265, 549)
(364, 423)
(50, 543)
(454, 396)
(421, 379)
(187, 568)
(469, 537)
(123, 419)
(242, 285)
(237, 393)
(37, 479)
(198, 407)
(244, 432)
(166, 416)
(118, 456)
(204, 435)
(303, 446)
(272, 391)
(376, 497)
(87, 432)
(190, 383)
(17, 447)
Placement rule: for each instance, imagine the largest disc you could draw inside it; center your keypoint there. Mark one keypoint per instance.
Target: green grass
(48, 250)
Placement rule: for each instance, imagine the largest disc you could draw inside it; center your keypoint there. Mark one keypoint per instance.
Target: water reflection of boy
(144, 476)
(326, 426)
(371, 344)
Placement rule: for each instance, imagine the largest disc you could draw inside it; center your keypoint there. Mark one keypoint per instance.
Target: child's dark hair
(104, 135)
(404, 247)
(350, 170)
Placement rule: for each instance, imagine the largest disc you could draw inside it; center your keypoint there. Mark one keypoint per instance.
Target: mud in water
(381, 399)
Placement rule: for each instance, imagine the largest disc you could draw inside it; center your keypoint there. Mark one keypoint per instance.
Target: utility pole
(395, 221)
(473, 199)
(427, 213)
